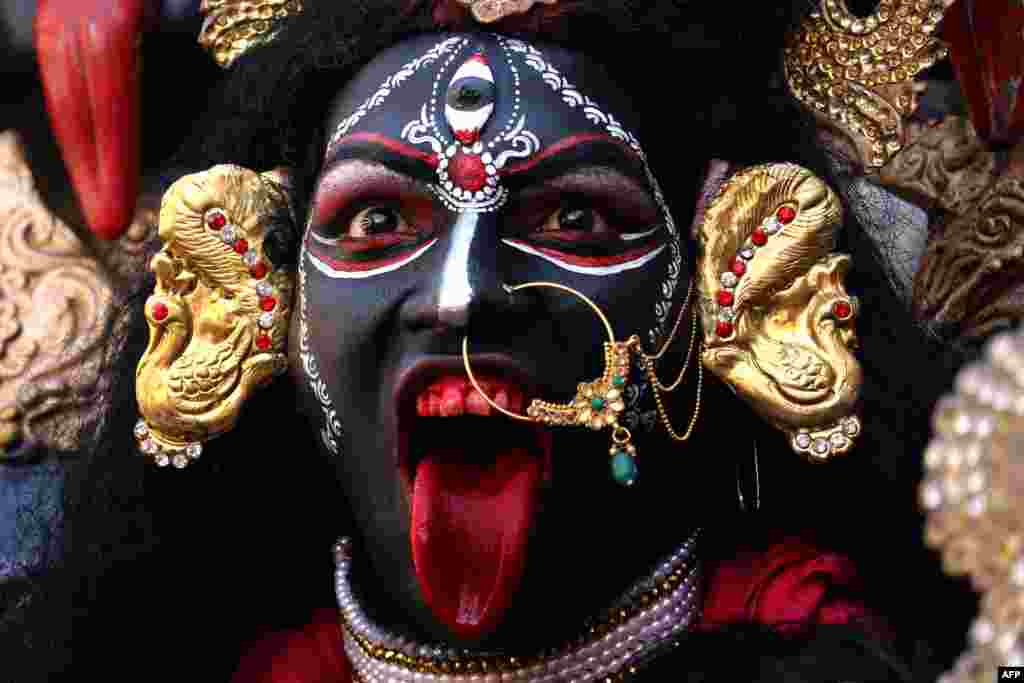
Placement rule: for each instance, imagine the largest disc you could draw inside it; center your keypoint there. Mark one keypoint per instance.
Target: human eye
(372, 228)
(591, 237)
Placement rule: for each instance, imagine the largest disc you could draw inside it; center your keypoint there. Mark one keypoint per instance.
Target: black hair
(171, 575)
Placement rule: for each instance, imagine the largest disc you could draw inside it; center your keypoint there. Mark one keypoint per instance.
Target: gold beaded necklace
(649, 364)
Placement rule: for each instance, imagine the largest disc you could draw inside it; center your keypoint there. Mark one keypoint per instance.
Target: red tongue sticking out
(470, 524)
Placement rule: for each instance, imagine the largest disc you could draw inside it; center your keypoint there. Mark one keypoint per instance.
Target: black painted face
(460, 164)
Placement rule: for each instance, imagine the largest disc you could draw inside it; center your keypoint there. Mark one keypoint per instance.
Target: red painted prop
(986, 40)
(89, 62)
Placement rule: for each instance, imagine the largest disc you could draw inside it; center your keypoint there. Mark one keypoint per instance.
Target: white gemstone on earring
(820, 446)
(726, 314)
(180, 461)
(250, 258)
(747, 253)
(141, 430)
(264, 288)
(149, 447)
(162, 460)
(838, 440)
(803, 440)
(194, 450)
(851, 428)
(729, 280)
(772, 226)
(266, 320)
(229, 234)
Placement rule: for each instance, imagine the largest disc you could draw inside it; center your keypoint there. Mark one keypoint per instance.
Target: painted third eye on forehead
(580, 199)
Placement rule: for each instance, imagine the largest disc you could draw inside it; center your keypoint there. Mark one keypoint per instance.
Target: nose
(470, 283)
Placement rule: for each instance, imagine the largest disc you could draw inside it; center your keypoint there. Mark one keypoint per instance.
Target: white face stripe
(456, 293)
(361, 274)
(633, 236)
(589, 270)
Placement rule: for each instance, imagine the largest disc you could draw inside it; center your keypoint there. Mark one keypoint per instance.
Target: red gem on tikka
(268, 303)
(259, 270)
(468, 172)
(786, 214)
(725, 298)
(217, 220)
(263, 342)
(842, 310)
(759, 237)
(723, 328)
(241, 246)
(739, 267)
(159, 311)
(467, 137)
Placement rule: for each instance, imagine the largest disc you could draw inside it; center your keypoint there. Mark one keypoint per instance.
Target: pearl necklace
(645, 621)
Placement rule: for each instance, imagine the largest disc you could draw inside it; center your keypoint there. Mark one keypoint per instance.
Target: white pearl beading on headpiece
(629, 644)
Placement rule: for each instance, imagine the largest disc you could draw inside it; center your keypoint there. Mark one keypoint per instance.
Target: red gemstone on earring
(759, 237)
(842, 310)
(217, 220)
(739, 267)
(786, 214)
(258, 270)
(263, 342)
(725, 298)
(268, 303)
(723, 328)
(241, 246)
(159, 311)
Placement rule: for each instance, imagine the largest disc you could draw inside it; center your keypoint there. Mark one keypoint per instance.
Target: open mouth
(473, 477)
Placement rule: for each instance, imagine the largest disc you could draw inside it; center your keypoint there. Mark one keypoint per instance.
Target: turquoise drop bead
(597, 403)
(623, 468)
(618, 380)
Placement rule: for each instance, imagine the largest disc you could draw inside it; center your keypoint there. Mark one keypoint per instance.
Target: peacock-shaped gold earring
(218, 317)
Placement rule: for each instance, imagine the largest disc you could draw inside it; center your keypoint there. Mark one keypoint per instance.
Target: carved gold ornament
(973, 493)
(856, 75)
(778, 323)
(490, 11)
(58, 333)
(230, 27)
(218, 317)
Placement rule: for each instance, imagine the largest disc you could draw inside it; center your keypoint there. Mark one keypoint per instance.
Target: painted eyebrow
(395, 154)
(612, 153)
(346, 179)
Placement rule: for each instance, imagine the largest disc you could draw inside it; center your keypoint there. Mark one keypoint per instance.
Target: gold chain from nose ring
(649, 364)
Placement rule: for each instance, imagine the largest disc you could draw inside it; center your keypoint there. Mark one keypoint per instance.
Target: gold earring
(218, 317)
(598, 404)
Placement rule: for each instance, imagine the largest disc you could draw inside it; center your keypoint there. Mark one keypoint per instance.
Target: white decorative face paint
(331, 432)
(456, 293)
(470, 100)
(613, 269)
(351, 273)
